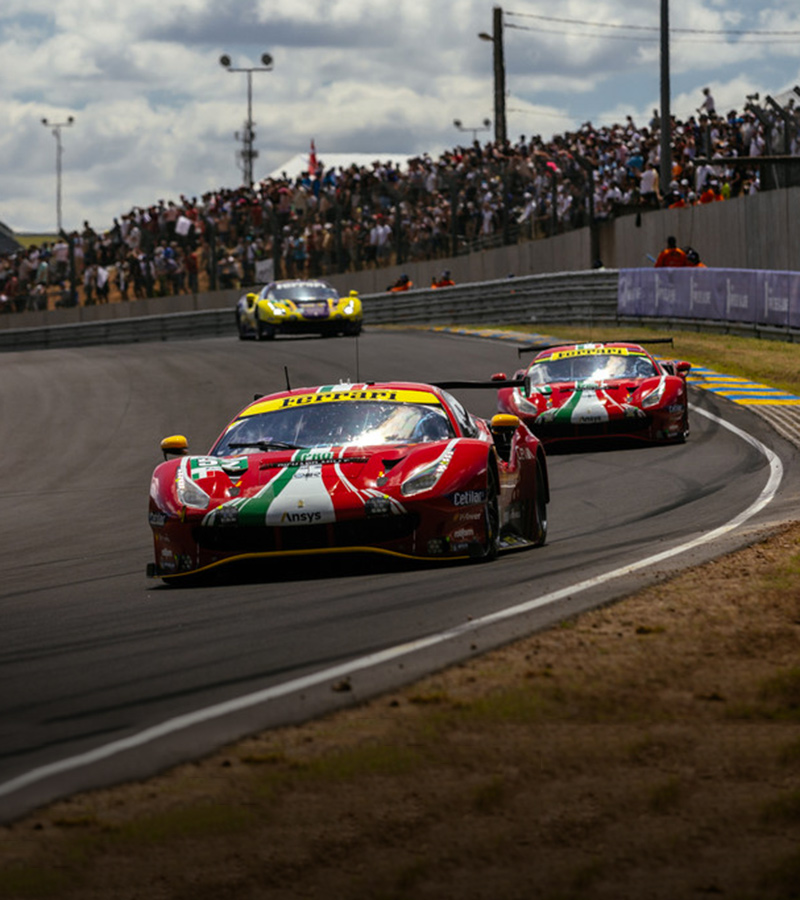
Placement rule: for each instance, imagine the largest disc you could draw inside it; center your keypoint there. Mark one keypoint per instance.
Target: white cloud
(155, 113)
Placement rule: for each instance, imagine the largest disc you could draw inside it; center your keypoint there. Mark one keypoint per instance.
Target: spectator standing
(89, 284)
(102, 283)
(648, 187)
(379, 241)
(707, 107)
(671, 256)
(192, 270)
(60, 260)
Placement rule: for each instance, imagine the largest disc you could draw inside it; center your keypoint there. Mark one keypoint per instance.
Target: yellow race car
(298, 307)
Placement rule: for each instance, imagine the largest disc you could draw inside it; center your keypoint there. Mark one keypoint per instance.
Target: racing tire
(539, 517)
(264, 332)
(239, 326)
(353, 330)
(492, 516)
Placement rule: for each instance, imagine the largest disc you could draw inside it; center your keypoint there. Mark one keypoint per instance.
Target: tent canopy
(298, 164)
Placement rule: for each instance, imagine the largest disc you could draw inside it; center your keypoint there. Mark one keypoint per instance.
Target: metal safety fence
(582, 297)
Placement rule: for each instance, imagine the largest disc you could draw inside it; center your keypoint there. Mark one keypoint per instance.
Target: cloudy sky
(155, 112)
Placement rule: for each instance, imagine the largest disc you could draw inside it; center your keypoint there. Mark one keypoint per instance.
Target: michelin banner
(728, 295)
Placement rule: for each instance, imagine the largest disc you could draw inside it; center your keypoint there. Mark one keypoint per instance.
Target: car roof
(590, 348)
(300, 282)
(387, 391)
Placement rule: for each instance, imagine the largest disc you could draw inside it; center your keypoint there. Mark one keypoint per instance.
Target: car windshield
(301, 290)
(335, 424)
(590, 367)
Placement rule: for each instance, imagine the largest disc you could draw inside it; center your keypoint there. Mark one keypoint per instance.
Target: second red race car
(596, 390)
(395, 468)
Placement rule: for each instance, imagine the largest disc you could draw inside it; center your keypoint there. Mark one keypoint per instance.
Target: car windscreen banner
(728, 295)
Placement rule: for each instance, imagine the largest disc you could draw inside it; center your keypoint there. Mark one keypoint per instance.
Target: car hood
(311, 486)
(589, 400)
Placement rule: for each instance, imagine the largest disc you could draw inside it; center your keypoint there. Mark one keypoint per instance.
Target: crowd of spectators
(347, 219)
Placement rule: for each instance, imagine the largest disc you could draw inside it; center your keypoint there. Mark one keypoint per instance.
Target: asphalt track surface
(107, 676)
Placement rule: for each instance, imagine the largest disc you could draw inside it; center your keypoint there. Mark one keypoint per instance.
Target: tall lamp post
(496, 37)
(474, 129)
(247, 137)
(56, 129)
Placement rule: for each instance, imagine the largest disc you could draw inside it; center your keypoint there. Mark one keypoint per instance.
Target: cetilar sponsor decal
(468, 498)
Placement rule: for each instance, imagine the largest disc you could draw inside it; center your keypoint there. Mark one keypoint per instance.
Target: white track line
(171, 726)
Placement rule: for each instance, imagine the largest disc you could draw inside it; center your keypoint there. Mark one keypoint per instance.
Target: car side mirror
(503, 427)
(174, 445)
(251, 300)
(504, 423)
(683, 368)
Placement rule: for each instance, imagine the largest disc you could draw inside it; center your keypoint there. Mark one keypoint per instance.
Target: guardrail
(564, 297)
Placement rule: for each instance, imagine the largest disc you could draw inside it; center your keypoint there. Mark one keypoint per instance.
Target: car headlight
(189, 493)
(655, 396)
(421, 481)
(424, 478)
(275, 309)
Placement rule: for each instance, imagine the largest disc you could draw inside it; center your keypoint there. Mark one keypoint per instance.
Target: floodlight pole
(56, 127)
(473, 128)
(248, 154)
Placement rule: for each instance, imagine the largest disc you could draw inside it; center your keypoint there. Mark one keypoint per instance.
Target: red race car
(599, 390)
(395, 468)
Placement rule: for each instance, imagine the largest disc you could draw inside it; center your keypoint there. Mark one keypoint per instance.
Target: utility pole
(666, 117)
(498, 57)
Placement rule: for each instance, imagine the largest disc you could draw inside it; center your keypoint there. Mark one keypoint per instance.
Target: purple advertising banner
(794, 302)
(773, 302)
(706, 299)
(741, 291)
(728, 295)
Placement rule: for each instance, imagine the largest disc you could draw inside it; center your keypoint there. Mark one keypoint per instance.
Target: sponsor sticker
(468, 516)
(203, 466)
(312, 471)
(468, 498)
(302, 517)
(340, 396)
(588, 351)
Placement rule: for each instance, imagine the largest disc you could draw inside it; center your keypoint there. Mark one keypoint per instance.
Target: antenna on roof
(358, 363)
(286, 373)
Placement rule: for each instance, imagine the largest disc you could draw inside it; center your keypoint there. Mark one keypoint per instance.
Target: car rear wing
(493, 384)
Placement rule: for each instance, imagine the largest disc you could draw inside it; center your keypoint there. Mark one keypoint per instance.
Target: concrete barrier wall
(759, 232)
